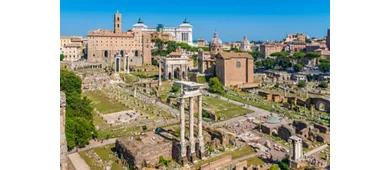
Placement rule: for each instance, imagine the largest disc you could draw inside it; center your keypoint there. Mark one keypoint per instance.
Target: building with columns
(176, 65)
(296, 154)
(206, 59)
(183, 33)
(191, 90)
(106, 46)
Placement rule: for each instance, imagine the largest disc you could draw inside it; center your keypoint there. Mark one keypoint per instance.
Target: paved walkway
(233, 162)
(78, 162)
(257, 111)
(315, 150)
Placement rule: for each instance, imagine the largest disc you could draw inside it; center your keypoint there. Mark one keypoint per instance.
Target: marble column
(182, 132)
(135, 91)
(200, 136)
(192, 139)
(159, 73)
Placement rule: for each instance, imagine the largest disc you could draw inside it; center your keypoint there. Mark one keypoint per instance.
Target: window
(118, 19)
(238, 64)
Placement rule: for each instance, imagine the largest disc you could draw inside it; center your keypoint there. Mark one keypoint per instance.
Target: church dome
(273, 120)
(216, 42)
(140, 25)
(245, 41)
(245, 45)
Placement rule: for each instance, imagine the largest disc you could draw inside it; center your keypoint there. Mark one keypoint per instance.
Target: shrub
(301, 83)
(323, 84)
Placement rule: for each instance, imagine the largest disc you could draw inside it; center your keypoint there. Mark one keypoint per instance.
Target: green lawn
(225, 109)
(267, 107)
(104, 104)
(164, 93)
(255, 161)
(146, 74)
(104, 155)
(238, 153)
(129, 78)
(201, 79)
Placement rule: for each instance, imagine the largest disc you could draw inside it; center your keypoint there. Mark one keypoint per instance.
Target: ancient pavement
(257, 111)
(315, 150)
(78, 162)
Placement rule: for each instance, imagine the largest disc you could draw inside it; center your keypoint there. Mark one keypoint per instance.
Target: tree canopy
(79, 126)
(301, 83)
(298, 55)
(215, 85)
(324, 60)
(285, 62)
(268, 63)
(313, 55)
(62, 57)
(324, 67)
(258, 64)
(298, 67)
(323, 84)
(279, 54)
(69, 82)
(255, 54)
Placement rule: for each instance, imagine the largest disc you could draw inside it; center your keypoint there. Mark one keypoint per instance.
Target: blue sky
(257, 19)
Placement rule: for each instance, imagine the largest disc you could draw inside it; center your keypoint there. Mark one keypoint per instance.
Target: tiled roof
(228, 55)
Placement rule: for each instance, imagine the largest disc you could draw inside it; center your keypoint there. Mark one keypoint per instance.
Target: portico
(191, 91)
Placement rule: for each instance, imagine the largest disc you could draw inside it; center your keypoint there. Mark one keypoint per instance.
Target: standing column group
(192, 141)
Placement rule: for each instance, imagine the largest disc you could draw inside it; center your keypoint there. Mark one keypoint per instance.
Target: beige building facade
(72, 52)
(133, 47)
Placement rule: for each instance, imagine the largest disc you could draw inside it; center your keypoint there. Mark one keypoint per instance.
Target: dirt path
(78, 162)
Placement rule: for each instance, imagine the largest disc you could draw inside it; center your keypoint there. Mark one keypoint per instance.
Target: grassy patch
(264, 106)
(255, 161)
(104, 104)
(129, 78)
(104, 155)
(238, 153)
(225, 109)
(146, 74)
(201, 79)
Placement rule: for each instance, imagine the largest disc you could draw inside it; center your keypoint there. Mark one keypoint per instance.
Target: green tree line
(79, 127)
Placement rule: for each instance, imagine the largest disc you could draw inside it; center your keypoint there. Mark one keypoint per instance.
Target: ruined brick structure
(63, 144)
(142, 152)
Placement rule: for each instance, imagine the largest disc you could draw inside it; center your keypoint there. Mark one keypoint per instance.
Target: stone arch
(274, 132)
(176, 73)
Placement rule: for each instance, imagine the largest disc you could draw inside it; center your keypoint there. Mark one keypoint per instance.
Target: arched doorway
(170, 75)
(182, 75)
(136, 53)
(274, 132)
(176, 73)
(105, 53)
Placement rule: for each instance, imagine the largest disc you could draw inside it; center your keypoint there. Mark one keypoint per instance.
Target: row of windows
(106, 37)
(70, 56)
(147, 46)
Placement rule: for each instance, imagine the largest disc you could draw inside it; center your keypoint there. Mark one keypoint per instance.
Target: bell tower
(117, 22)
